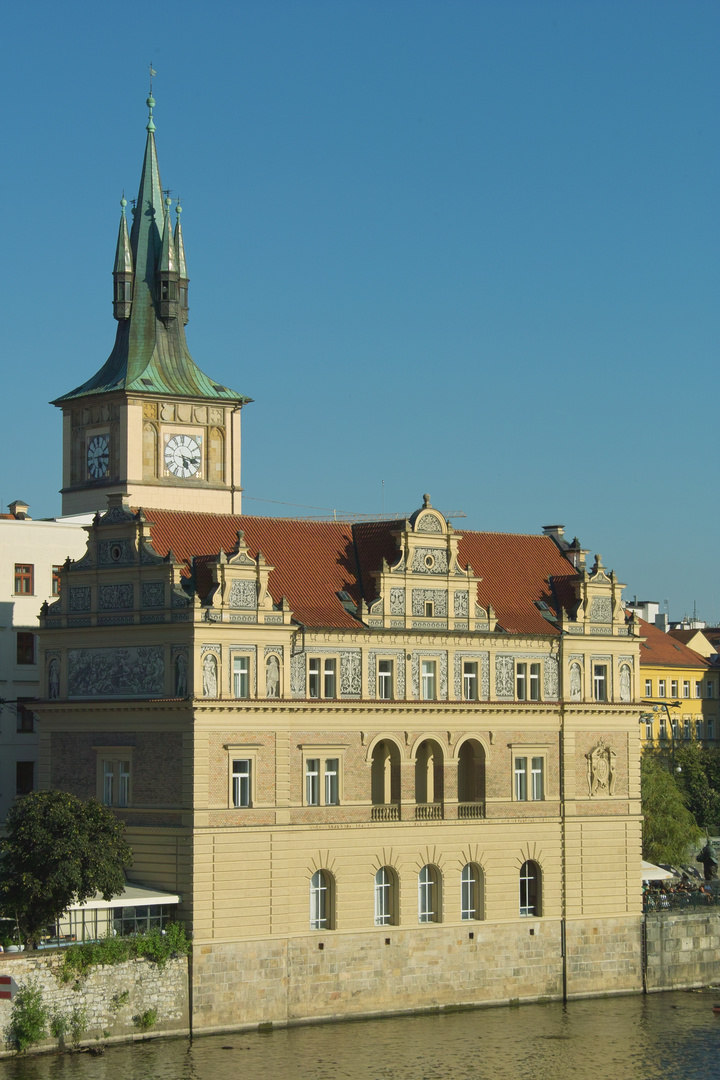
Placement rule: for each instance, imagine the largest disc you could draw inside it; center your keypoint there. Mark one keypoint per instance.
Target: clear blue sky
(464, 248)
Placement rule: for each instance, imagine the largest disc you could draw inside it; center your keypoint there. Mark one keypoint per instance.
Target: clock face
(98, 456)
(182, 456)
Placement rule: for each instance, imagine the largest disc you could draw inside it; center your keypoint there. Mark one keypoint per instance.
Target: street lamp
(656, 706)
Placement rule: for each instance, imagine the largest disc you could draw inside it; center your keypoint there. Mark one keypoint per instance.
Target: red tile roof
(314, 560)
(664, 651)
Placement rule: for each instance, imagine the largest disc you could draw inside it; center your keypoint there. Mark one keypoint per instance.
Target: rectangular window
(24, 579)
(648, 688)
(673, 688)
(241, 676)
(521, 779)
(675, 728)
(698, 689)
(710, 728)
(600, 682)
(686, 729)
(114, 775)
(534, 682)
(428, 609)
(329, 677)
(123, 783)
(56, 580)
(385, 679)
(331, 781)
(24, 777)
(710, 690)
(686, 688)
(661, 688)
(698, 729)
(537, 787)
(521, 681)
(470, 680)
(649, 730)
(25, 647)
(312, 781)
(241, 777)
(314, 677)
(428, 680)
(663, 728)
(25, 716)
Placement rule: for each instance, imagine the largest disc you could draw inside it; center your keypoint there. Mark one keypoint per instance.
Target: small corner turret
(123, 274)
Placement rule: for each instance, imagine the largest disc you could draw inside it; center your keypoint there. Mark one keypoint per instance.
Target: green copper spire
(183, 279)
(150, 353)
(123, 269)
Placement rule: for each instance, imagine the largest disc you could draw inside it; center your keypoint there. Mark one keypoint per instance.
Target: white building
(31, 554)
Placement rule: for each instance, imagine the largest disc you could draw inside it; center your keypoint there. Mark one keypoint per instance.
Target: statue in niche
(575, 683)
(54, 680)
(601, 769)
(181, 686)
(625, 687)
(272, 677)
(209, 676)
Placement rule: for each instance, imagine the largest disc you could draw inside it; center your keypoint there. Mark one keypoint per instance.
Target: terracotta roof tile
(665, 651)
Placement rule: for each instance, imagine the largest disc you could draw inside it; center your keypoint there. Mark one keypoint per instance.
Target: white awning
(650, 872)
(131, 896)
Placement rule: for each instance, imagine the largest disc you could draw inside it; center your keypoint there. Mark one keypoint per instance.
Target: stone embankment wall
(111, 995)
(682, 950)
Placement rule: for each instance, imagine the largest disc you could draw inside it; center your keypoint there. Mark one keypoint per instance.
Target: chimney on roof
(555, 531)
(19, 510)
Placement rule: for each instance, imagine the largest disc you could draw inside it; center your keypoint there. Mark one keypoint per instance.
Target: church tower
(150, 425)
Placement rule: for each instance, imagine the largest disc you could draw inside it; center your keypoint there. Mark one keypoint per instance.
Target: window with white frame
(385, 897)
(698, 729)
(322, 676)
(648, 729)
(385, 681)
(675, 727)
(242, 782)
(114, 775)
(322, 776)
(428, 680)
(648, 688)
(321, 901)
(470, 680)
(428, 895)
(600, 682)
(661, 688)
(673, 688)
(663, 728)
(686, 688)
(471, 892)
(529, 775)
(527, 681)
(241, 676)
(530, 889)
(686, 728)
(698, 688)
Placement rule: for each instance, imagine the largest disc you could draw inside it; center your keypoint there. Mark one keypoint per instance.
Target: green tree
(696, 780)
(669, 829)
(58, 850)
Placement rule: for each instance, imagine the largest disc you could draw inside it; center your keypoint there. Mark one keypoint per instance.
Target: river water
(669, 1036)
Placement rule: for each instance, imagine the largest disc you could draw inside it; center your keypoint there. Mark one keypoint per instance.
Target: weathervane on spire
(153, 73)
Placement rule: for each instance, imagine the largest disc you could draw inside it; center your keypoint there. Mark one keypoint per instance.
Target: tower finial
(153, 73)
(151, 101)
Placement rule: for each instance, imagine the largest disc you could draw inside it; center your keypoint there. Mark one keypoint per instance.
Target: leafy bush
(78, 1023)
(59, 1024)
(28, 1018)
(118, 1000)
(145, 1021)
(156, 945)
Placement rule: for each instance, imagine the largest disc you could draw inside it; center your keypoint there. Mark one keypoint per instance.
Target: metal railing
(690, 902)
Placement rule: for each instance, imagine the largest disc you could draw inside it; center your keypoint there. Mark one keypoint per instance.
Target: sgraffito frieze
(135, 671)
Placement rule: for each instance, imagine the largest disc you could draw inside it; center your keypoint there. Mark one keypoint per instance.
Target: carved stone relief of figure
(181, 686)
(210, 676)
(625, 683)
(272, 677)
(601, 769)
(575, 683)
(54, 680)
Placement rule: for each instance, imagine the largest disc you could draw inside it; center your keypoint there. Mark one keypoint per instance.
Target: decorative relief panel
(79, 598)
(438, 598)
(297, 675)
(462, 604)
(575, 681)
(429, 561)
(115, 552)
(397, 601)
(180, 664)
(601, 770)
(398, 658)
(428, 523)
(152, 618)
(350, 673)
(278, 649)
(625, 683)
(442, 659)
(600, 630)
(504, 676)
(243, 594)
(601, 609)
(115, 620)
(115, 597)
(483, 662)
(152, 594)
(131, 672)
(551, 681)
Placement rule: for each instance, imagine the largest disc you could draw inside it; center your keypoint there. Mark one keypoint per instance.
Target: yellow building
(385, 765)
(679, 689)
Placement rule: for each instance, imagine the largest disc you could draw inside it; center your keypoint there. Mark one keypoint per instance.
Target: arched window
(429, 895)
(429, 775)
(530, 889)
(385, 897)
(471, 892)
(471, 779)
(321, 901)
(385, 779)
